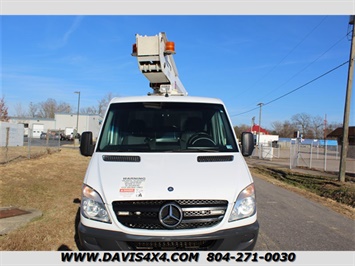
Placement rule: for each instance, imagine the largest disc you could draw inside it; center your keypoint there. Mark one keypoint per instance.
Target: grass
(50, 183)
(323, 185)
(9, 154)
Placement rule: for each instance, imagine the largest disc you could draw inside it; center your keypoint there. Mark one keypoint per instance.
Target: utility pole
(75, 133)
(259, 145)
(345, 141)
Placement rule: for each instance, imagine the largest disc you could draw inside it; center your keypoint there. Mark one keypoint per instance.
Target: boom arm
(155, 61)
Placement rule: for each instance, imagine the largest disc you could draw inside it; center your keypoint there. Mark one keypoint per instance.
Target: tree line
(311, 127)
(47, 108)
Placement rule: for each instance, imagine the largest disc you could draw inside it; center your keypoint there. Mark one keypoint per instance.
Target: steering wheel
(201, 139)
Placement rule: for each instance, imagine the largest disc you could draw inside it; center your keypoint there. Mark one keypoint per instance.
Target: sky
(242, 59)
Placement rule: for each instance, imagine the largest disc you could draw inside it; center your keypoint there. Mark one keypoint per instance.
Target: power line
(290, 52)
(298, 88)
(315, 60)
(307, 66)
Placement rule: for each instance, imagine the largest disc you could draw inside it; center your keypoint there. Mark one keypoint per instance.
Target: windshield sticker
(132, 187)
(229, 147)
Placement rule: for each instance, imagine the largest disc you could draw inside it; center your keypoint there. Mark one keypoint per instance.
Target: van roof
(153, 98)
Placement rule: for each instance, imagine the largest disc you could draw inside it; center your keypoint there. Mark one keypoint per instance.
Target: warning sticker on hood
(132, 187)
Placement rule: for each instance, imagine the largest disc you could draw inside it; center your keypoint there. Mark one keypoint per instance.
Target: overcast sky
(243, 60)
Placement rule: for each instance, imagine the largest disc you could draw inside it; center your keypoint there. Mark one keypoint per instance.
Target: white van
(167, 173)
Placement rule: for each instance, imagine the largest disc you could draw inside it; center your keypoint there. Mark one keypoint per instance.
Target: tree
(89, 110)
(238, 130)
(103, 103)
(48, 108)
(4, 115)
(284, 129)
(63, 108)
(20, 112)
(317, 127)
(302, 121)
(32, 110)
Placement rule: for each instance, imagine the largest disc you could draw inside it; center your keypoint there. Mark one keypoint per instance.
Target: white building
(86, 122)
(36, 124)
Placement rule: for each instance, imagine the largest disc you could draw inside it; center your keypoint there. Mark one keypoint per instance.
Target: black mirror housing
(86, 144)
(247, 142)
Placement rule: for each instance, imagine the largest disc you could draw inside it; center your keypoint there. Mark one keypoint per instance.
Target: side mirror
(86, 144)
(247, 142)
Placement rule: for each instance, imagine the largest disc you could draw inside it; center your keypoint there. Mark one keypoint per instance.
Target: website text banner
(295, 258)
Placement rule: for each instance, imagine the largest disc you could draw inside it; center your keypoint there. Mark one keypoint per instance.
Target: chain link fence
(295, 154)
(31, 147)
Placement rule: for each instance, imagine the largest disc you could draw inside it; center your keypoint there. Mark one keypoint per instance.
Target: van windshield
(166, 127)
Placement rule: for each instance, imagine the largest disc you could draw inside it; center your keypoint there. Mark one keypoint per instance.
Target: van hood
(168, 176)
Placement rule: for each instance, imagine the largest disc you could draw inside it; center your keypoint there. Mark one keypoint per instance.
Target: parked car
(43, 135)
(62, 136)
(55, 136)
(71, 136)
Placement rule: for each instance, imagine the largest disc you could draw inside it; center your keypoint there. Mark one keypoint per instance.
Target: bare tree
(277, 127)
(4, 115)
(238, 130)
(63, 108)
(302, 121)
(103, 103)
(284, 129)
(89, 110)
(48, 108)
(317, 126)
(33, 110)
(19, 110)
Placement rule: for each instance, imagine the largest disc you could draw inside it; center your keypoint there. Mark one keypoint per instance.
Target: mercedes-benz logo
(170, 215)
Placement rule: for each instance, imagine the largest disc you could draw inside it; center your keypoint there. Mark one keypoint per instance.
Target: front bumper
(240, 238)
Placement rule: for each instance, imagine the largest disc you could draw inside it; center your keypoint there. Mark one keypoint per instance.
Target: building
(338, 134)
(256, 128)
(265, 137)
(61, 122)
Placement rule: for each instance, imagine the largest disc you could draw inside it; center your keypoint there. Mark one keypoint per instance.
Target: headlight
(92, 206)
(245, 205)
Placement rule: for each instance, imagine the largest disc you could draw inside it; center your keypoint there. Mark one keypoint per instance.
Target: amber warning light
(170, 48)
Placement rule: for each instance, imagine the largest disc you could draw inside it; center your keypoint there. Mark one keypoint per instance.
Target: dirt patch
(11, 212)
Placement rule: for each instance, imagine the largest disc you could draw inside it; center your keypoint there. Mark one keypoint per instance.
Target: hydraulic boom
(156, 62)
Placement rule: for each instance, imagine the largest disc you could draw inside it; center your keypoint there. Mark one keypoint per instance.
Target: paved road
(289, 221)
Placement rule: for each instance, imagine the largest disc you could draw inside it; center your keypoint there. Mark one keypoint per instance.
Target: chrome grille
(145, 214)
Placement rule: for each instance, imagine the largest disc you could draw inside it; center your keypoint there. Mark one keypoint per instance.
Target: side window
(218, 129)
(110, 135)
